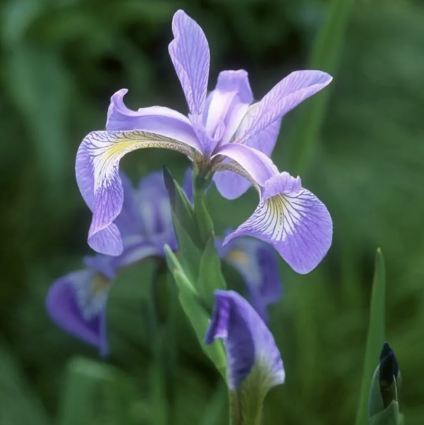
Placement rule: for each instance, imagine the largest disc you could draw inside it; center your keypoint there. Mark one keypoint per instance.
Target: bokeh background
(61, 60)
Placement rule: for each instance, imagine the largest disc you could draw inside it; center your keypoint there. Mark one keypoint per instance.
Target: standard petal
(97, 173)
(293, 220)
(248, 342)
(76, 303)
(231, 185)
(256, 262)
(156, 119)
(189, 51)
(228, 104)
(282, 98)
(254, 166)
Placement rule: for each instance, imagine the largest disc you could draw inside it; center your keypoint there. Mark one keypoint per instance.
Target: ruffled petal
(257, 263)
(248, 342)
(228, 104)
(97, 173)
(155, 119)
(282, 98)
(293, 220)
(189, 52)
(77, 304)
(254, 166)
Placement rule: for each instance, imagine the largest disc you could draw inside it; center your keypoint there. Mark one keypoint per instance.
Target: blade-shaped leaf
(376, 335)
(210, 274)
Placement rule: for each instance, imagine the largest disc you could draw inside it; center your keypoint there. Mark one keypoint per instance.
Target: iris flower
(77, 302)
(257, 264)
(224, 132)
(248, 342)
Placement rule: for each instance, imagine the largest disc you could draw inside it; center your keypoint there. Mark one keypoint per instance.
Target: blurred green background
(61, 60)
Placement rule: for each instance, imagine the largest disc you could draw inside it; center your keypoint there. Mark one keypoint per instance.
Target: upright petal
(282, 98)
(97, 173)
(156, 119)
(257, 264)
(254, 166)
(189, 51)
(232, 186)
(77, 304)
(293, 220)
(248, 342)
(228, 105)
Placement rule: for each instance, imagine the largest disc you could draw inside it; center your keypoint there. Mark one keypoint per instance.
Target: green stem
(245, 411)
(203, 219)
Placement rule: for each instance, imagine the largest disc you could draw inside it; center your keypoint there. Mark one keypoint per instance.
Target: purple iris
(77, 302)
(225, 132)
(248, 342)
(257, 264)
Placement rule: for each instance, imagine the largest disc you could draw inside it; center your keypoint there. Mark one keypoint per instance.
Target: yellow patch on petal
(106, 148)
(238, 256)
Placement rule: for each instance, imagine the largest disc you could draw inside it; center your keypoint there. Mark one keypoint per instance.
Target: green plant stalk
(203, 219)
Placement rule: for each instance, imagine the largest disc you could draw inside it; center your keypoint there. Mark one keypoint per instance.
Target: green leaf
(200, 321)
(190, 255)
(210, 274)
(197, 315)
(376, 335)
(181, 207)
(175, 266)
(325, 56)
(389, 416)
(95, 394)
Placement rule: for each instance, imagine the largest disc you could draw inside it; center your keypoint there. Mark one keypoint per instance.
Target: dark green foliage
(62, 60)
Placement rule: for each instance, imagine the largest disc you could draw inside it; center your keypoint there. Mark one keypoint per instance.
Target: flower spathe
(77, 302)
(248, 342)
(224, 132)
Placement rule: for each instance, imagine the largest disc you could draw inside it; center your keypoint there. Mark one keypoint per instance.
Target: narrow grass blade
(376, 336)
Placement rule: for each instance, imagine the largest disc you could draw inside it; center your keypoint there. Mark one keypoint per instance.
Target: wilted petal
(293, 220)
(189, 53)
(256, 262)
(77, 304)
(250, 163)
(248, 342)
(97, 172)
(283, 97)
